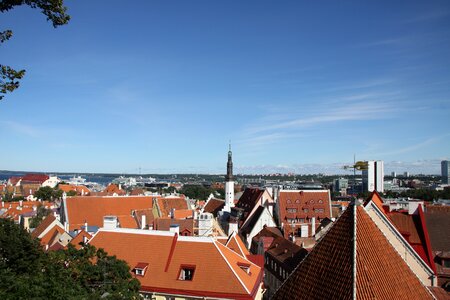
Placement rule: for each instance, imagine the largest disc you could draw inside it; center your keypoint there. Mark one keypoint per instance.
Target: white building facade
(373, 177)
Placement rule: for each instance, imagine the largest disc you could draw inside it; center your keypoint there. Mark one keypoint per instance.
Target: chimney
(110, 222)
(150, 226)
(172, 213)
(143, 221)
(175, 228)
(20, 202)
(54, 214)
(3, 203)
(85, 239)
(66, 227)
(313, 226)
(85, 225)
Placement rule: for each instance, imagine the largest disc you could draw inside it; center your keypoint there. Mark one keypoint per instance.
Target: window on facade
(297, 201)
(186, 273)
(320, 201)
(446, 263)
(312, 202)
(305, 210)
(289, 201)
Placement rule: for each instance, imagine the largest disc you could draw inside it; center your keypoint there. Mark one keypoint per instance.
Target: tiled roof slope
(413, 229)
(235, 243)
(253, 219)
(92, 209)
(217, 268)
(328, 271)
(43, 226)
(37, 178)
(79, 238)
(438, 222)
(380, 272)
(249, 200)
(213, 206)
(166, 204)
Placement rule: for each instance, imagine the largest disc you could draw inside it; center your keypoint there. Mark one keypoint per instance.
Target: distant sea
(101, 179)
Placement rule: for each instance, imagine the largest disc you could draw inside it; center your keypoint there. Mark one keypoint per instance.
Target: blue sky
(164, 85)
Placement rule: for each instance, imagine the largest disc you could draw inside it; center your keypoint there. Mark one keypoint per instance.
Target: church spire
(229, 176)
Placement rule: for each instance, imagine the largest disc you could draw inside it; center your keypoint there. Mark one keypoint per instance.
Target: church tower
(229, 183)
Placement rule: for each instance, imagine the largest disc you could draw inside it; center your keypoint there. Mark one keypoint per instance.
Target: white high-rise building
(445, 169)
(373, 177)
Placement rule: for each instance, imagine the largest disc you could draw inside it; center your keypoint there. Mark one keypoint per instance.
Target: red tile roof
(354, 260)
(213, 206)
(79, 238)
(217, 268)
(166, 204)
(43, 226)
(114, 189)
(235, 243)
(79, 189)
(186, 225)
(14, 180)
(249, 199)
(35, 178)
(92, 209)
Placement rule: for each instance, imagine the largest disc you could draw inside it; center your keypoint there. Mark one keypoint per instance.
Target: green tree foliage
(41, 213)
(55, 12)
(48, 193)
(196, 191)
(27, 272)
(71, 193)
(422, 194)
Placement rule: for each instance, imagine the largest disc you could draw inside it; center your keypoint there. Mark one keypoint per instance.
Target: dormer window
(244, 267)
(186, 272)
(140, 269)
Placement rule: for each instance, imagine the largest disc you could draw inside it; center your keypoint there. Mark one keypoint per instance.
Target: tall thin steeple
(229, 183)
(229, 176)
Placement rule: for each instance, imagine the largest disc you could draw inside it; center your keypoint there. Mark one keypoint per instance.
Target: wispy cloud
(411, 148)
(357, 111)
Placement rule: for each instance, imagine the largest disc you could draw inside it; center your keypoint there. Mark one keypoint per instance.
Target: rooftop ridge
(181, 238)
(305, 191)
(229, 265)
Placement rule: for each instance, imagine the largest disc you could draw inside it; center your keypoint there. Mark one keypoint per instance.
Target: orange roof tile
(79, 238)
(183, 213)
(354, 260)
(80, 189)
(43, 226)
(166, 204)
(166, 254)
(235, 243)
(92, 209)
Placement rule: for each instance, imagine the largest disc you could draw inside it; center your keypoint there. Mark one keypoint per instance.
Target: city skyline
(164, 87)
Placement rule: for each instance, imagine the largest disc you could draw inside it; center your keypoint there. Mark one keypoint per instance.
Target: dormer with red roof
(182, 266)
